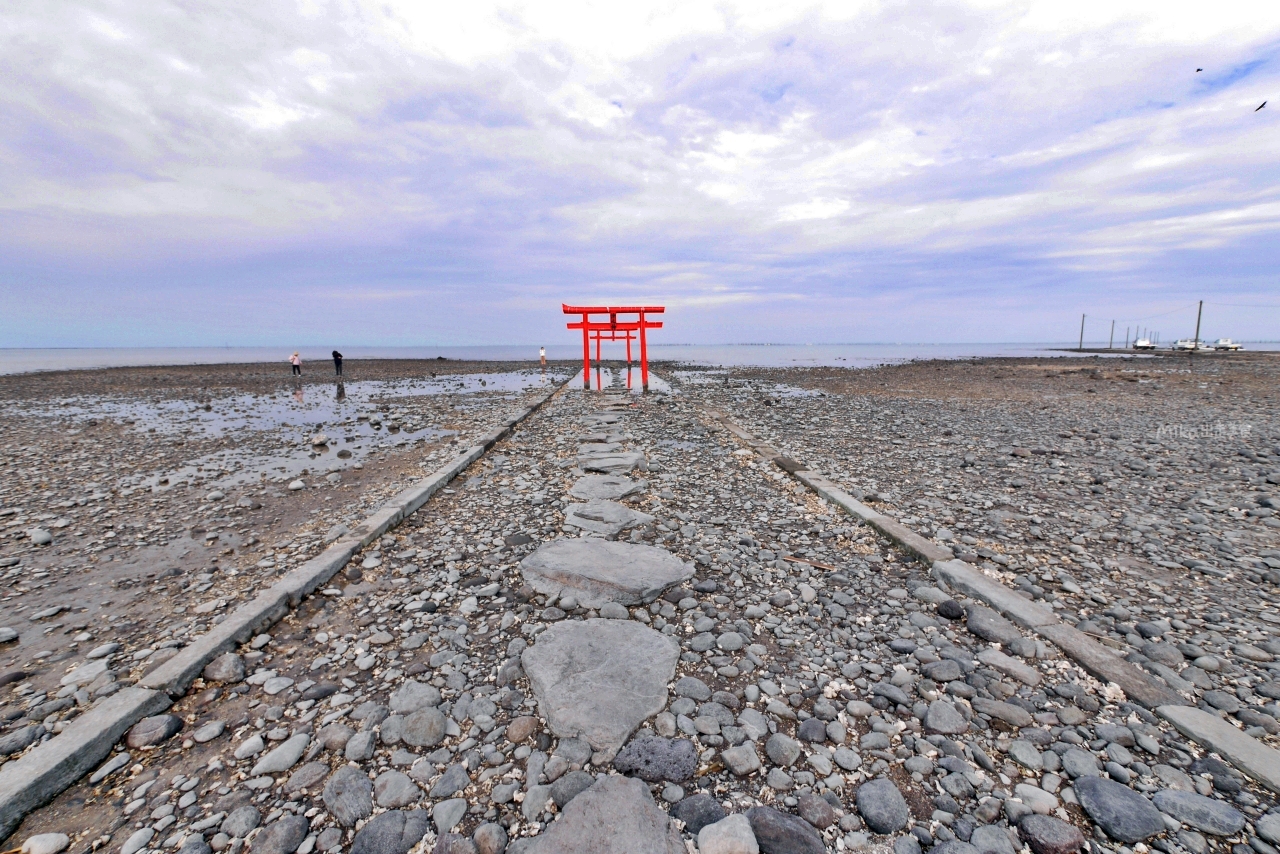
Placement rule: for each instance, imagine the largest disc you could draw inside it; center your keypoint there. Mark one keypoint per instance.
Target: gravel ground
(162, 509)
(798, 685)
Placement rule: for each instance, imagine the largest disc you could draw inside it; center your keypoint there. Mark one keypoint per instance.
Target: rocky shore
(621, 630)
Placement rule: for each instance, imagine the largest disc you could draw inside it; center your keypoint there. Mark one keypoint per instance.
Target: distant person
(542, 356)
(296, 361)
(337, 362)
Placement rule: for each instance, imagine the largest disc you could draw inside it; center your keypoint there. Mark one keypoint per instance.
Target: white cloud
(753, 148)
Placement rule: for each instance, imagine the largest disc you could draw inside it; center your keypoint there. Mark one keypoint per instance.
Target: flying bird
(1260, 106)
(1198, 70)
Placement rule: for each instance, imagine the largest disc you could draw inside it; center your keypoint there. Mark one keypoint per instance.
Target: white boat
(1143, 344)
(1226, 344)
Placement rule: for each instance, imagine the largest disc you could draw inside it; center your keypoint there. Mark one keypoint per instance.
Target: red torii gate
(608, 330)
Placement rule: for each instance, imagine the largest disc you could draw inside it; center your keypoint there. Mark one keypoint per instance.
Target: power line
(1244, 305)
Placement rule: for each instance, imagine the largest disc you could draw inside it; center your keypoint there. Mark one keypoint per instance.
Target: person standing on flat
(296, 361)
(337, 363)
(542, 355)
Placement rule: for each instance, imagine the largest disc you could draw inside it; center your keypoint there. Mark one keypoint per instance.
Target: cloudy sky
(391, 173)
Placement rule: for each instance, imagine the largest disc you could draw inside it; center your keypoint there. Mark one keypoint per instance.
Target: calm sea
(14, 361)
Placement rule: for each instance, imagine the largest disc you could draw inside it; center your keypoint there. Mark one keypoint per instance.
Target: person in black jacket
(337, 362)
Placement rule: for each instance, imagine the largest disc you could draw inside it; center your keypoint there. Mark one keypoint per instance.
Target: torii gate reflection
(614, 329)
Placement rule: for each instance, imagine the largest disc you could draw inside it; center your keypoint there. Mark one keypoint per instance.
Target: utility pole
(1126, 338)
(1198, 312)
(1112, 341)
(1081, 347)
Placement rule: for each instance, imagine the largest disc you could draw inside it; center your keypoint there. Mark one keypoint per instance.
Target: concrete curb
(38, 777)
(1260, 762)
(1246, 753)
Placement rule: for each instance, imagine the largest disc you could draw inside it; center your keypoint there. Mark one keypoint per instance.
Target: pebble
(730, 835)
(882, 806)
(348, 795)
(1049, 835)
(46, 843)
(1202, 813)
(154, 730)
(782, 833)
(1122, 813)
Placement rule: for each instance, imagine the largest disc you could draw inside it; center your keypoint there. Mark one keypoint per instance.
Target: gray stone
(603, 517)
(693, 688)
(620, 462)
(1007, 712)
(1268, 827)
(1122, 813)
(453, 843)
(697, 811)
(413, 696)
(348, 795)
(598, 571)
(607, 486)
(568, 787)
(209, 732)
(1211, 816)
(536, 799)
(656, 759)
(847, 759)
(990, 839)
(944, 718)
(988, 625)
(490, 838)
(741, 760)
(283, 757)
(447, 814)
(816, 810)
(282, 836)
(615, 816)
(151, 731)
(46, 843)
(599, 679)
(1026, 755)
(361, 746)
(20, 740)
(731, 835)
(306, 777)
(1080, 763)
(393, 789)
(227, 667)
(392, 832)
(424, 728)
(782, 833)
(454, 780)
(882, 806)
(137, 840)
(1048, 835)
(782, 749)
(240, 821)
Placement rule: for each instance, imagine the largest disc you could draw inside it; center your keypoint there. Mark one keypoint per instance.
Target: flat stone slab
(1251, 756)
(598, 571)
(610, 487)
(617, 815)
(616, 463)
(603, 517)
(600, 679)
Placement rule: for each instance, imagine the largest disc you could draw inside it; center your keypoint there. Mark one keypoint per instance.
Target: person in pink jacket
(296, 361)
